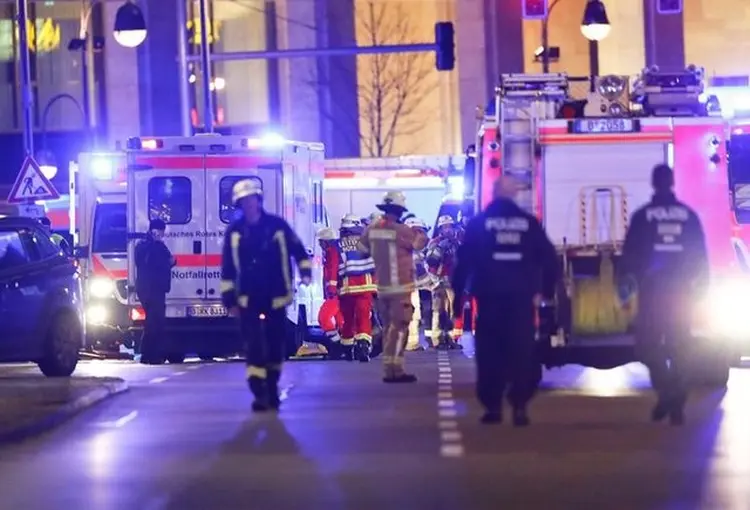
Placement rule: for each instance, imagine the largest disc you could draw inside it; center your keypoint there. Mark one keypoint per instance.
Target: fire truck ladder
(603, 217)
(522, 100)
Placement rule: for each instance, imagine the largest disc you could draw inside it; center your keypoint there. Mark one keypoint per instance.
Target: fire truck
(584, 166)
(357, 185)
(187, 182)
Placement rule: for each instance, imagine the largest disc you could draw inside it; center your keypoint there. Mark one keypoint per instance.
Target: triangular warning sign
(31, 184)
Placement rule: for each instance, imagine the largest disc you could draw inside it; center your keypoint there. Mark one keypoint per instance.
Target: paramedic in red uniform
(257, 286)
(356, 288)
(441, 259)
(329, 316)
(665, 257)
(505, 261)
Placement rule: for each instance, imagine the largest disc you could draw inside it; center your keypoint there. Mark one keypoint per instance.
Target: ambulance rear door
(222, 172)
(171, 187)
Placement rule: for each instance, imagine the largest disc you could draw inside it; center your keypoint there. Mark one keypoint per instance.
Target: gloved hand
(626, 289)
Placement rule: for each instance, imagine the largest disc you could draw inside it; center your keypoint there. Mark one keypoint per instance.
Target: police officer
(506, 260)
(153, 281)
(56, 238)
(665, 257)
(257, 286)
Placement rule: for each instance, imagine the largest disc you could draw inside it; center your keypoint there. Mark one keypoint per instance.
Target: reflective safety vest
(356, 269)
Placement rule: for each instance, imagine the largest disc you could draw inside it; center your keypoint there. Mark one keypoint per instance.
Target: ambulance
(187, 182)
(584, 167)
(356, 186)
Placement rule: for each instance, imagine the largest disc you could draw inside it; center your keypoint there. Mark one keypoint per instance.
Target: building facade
(370, 105)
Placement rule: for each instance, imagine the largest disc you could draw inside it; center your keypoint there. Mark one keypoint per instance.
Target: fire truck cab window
(227, 212)
(170, 199)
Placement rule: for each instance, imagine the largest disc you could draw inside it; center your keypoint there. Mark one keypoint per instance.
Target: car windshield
(110, 229)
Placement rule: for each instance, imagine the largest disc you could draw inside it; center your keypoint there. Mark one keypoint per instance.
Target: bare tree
(395, 85)
(390, 87)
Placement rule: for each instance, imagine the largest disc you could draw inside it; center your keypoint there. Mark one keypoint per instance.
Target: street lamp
(595, 25)
(130, 25)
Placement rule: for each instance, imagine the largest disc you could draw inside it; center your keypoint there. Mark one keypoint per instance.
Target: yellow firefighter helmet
(246, 188)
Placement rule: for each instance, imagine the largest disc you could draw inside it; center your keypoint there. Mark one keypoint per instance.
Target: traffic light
(534, 9)
(669, 6)
(445, 54)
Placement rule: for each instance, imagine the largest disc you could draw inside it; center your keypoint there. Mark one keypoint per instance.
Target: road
(184, 438)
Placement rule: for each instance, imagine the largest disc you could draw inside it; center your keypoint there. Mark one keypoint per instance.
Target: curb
(64, 413)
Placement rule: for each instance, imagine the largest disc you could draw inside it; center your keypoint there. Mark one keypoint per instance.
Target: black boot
(520, 418)
(361, 351)
(274, 402)
(677, 416)
(492, 417)
(403, 378)
(258, 389)
(660, 411)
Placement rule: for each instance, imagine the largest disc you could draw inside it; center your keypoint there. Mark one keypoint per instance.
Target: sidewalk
(31, 404)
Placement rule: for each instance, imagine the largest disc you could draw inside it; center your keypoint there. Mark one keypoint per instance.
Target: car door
(21, 284)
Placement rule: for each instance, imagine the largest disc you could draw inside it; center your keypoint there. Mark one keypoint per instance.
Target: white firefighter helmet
(444, 220)
(326, 234)
(414, 222)
(351, 221)
(393, 199)
(246, 188)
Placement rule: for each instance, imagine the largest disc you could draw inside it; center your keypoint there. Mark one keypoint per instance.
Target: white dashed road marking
(158, 380)
(451, 439)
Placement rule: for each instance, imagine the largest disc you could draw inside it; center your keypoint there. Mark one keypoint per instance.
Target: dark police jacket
(153, 265)
(506, 253)
(664, 246)
(256, 270)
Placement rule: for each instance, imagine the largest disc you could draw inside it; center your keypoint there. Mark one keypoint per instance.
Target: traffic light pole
(317, 52)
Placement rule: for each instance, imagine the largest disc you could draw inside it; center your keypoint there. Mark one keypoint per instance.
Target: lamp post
(594, 27)
(47, 161)
(129, 31)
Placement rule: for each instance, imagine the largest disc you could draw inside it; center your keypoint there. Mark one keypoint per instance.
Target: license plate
(206, 311)
(591, 126)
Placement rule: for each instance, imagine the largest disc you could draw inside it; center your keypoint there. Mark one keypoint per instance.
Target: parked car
(41, 307)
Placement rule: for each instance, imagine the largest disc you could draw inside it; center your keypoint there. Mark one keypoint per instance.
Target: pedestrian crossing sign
(31, 184)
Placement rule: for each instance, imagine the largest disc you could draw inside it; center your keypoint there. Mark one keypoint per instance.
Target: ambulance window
(318, 214)
(110, 229)
(170, 199)
(227, 211)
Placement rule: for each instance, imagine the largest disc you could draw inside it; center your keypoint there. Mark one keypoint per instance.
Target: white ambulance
(96, 214)
(187, 182)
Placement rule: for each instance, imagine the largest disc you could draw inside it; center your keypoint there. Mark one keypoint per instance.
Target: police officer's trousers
(662, 338)
(505, 352)
(263, 333)
(152, 341)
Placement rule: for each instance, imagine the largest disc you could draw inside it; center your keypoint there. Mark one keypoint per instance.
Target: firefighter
(423, 282)
(356, 289)
(392, 245)
(665, 256)
(506, 260)
(256, 285)
(329, 316)
(441, 260)
(372, 217)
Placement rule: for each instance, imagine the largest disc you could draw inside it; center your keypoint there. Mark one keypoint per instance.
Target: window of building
(241, 91)
(227, 211)
(170, 199)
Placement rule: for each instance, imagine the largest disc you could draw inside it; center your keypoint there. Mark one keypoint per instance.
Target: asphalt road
(184, 438)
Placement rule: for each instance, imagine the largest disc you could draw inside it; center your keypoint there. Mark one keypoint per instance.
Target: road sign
(35, 211)
(31, 184)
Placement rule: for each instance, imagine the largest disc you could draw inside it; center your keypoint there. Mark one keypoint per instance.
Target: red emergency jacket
(331, 268)
(356, 269)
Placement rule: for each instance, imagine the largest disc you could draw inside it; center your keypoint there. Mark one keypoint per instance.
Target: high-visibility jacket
(331, 268)
(356, 269)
